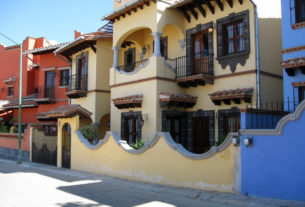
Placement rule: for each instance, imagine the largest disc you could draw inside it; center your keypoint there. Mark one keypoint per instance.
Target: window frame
(64, 77)
(223, 116)
(297, 10)
(10, 91)
(136, 118)
(301, 93)
(233, 59)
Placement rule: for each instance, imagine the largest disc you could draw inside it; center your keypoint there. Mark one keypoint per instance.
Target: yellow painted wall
(159, 164)
(98, 96)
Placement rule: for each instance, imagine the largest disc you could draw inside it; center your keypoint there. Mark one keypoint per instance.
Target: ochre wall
(98, 96)
(159, 164)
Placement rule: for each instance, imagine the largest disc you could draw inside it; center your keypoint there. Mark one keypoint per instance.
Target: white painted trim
(48, 69)
(169, 140)
(64, 68)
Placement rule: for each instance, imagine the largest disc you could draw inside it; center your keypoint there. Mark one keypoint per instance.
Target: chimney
(77, 34)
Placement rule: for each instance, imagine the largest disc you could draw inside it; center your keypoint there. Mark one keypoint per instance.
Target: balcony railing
(198, 63)
(78, 82)
(133, 66)
(45, 94)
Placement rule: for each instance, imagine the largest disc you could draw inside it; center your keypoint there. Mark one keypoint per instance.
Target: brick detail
(298, 84)
(293, 49)
(298, 25)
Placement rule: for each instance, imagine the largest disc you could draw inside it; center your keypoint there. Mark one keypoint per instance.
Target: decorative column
(157, 38)
(116, 56)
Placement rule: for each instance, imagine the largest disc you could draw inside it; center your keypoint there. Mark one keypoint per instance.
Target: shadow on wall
(274, 165)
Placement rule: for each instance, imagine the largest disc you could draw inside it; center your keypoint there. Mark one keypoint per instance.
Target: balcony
(194, 70)
(134, 66)
(45, 95)
(78, 86)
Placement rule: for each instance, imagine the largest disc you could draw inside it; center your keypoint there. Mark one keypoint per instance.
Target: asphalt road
(30, 184)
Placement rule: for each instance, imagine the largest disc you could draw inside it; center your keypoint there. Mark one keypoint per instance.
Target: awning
(66, 111)
(177, 100)
(293, 64)
(13, 104)
(236, 95)
(125, 102)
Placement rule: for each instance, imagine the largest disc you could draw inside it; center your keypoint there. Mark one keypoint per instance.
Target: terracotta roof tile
(25, 104)
(178, 100)
(128, 101)
(65, 111)
(294, 62)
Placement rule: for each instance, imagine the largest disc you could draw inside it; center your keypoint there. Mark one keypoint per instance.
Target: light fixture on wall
(248, 141)
(210, 29)
(144, 119)
(236, 140)
(145, 49)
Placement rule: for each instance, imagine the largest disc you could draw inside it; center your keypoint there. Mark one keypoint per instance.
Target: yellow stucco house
(174, 74)
(187, 67)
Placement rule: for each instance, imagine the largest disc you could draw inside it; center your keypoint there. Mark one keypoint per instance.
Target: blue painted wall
(274, 166)
(291, 38)
(259, 120)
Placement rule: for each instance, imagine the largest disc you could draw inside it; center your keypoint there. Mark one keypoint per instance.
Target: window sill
(63, 86)
(10, 96)
(298, 25)
(235, 55)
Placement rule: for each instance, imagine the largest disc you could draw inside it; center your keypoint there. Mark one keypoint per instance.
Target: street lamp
(20, 98)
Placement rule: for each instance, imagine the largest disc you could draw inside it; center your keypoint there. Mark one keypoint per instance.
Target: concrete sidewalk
(32, 184)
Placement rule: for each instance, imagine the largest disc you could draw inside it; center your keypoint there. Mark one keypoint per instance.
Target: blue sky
(53, 19)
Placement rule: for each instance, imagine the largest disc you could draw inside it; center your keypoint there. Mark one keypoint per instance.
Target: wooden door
(66, 146)
(200, 55)
(201, 134)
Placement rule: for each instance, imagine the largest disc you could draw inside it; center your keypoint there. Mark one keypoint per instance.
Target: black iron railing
(133, 66)
(197, 63)
(268, 113)
(46, 92)
(78, 82)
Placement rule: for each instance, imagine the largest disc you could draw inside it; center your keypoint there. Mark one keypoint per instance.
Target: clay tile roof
(230, 94)
(128, 101)
(25, 104)
(65, 111)
(294, 62)
(47, 49)
(178, 100)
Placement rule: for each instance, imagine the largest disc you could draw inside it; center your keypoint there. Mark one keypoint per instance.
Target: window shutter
(220, 39)
(133, 52)
(246, 31)
(130, 130)
(221, 124)
(124, 128)
(188, 52)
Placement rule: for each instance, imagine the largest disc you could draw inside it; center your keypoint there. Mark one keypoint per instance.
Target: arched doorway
(66, 146)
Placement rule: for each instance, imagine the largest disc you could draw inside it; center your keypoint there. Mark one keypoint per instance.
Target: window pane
(231, 47)
(230, 31)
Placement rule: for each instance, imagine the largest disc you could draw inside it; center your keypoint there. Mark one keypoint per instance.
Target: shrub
(221, 138)
(138, 145)
(90, 132)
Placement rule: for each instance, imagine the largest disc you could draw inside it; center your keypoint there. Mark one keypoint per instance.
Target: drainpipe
(258, 82)
(63, 59)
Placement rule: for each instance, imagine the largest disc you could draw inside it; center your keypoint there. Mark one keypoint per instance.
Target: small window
(234, 38)
(163, 47)
(300, 10)
(10, 91)
(228, 121)
(64, 77)
(301, 93)
(129, 59)
(131, 126)
(50, 130)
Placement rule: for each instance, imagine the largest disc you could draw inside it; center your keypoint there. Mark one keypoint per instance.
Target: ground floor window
(194, 130)
(228, 121)
(131, 126)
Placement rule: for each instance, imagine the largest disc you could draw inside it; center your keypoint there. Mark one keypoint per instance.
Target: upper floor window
(82, 64)
(64, 77)
(129, 59)
(300, 10)
(234, 38)
(10, 91)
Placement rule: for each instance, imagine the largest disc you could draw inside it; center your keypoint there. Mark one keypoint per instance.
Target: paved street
(31, 184)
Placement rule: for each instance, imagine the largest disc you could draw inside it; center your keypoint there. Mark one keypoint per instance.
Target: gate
(66, 146)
